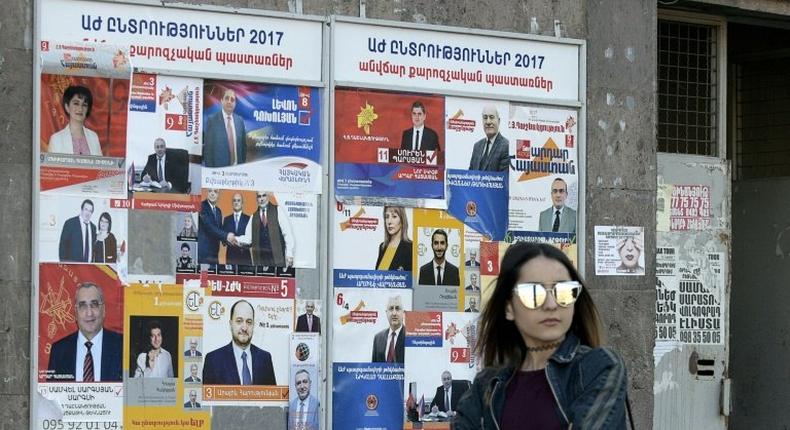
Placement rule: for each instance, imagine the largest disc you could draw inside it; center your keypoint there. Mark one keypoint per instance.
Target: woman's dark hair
(499, 342)
(106, 216)
(78, 90)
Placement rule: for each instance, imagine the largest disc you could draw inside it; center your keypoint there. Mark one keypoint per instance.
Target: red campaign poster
(107, 117)
(64, 312)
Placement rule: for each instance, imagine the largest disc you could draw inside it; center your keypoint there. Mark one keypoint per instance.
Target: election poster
(160, 375)
(566, 242)
(477, 164)
(73, 229)
(385, 234)
(619, 250)
(304, 404)
(164, 138)
(243, 231)
(367, 395)
(80, 346)
(83, 106)
(447, 340)
(543, 174)
(246, 328)
(389, 146)
(261, 137)
(366, 320)
(666, 294)
(440, 266)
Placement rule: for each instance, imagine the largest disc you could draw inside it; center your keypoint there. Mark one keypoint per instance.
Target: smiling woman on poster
(75, 138)
(105, 249)
(395, 251)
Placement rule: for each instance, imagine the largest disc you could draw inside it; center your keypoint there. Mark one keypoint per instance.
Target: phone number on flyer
(80, 425)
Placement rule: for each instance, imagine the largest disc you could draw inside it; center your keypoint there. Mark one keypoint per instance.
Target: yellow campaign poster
(162, 360)
(440, 268)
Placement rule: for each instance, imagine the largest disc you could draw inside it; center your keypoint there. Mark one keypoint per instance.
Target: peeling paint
(622, 125)
(609, 99)
(665, 384)
(602, 124)
(630, 102)
(609, 150)
(629, 53)
(418, 18)
(599, 181)
(609, 52)
(618, 181)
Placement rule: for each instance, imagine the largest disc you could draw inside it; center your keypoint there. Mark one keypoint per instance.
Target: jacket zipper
(491, 406)
(546, 369)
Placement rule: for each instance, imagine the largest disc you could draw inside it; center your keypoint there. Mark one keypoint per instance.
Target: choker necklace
(545, 347)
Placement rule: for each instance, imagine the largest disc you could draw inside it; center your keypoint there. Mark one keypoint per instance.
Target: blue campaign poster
(368, 395)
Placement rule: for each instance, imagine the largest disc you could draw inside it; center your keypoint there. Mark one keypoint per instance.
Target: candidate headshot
(395, 250)
(303, 410)
(388, 344)
(92, 353)
(472, 305)
(558, 218)
(78, 236)
(192, 402)
(193, 373)
(472, 261)
(210, 232)
(419, 137)
(188, 228)
(629, 250)
(76, 138)
(193, 349)
(105, 248)
(439, 271)
(154, 361)
(474, 285)
(449, 393)
(167, 168)
(185, 262)
(491, 152)
(238, 250)
(239, 362)
(224, 136)
(307, 322)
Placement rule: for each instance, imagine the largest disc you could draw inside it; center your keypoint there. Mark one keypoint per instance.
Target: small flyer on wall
(619, 251)
(261, 137)
(389, 145)
(84, 101)
(373, 246)
(162, 378)
(304, 405)
(165, 129)
(80, 345)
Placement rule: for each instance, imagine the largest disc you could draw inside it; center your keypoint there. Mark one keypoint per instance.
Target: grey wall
(620, 157)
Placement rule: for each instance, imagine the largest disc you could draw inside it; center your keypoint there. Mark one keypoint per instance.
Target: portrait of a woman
(395, 251)
(105, 249)
(75, 138)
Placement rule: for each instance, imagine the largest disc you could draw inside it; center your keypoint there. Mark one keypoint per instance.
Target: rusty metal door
(691, 386)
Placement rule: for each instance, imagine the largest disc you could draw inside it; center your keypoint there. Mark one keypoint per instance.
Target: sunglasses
(533, 294)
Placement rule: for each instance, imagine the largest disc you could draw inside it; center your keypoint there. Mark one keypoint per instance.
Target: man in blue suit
(224, 137)
(236, 223)
(303, 409)
(239, 362)
(91, 354)
(491, 153)
(210, 232)
(78, 235)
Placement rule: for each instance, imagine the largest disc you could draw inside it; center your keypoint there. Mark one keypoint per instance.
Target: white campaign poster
(619, 251)
(464, 126)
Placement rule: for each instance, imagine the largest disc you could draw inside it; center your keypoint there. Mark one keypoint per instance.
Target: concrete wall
(621, 161)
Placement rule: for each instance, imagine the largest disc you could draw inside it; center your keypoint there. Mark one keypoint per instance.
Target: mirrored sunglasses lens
(531, 295)
(567, 293)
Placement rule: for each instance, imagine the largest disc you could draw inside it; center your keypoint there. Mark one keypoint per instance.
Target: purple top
(529, 403)
(80, 145)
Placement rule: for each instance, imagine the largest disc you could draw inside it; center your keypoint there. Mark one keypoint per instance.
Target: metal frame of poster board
(578, 102)
(321, 84)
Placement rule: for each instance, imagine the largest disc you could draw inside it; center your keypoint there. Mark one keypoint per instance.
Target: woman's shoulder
(599, 359)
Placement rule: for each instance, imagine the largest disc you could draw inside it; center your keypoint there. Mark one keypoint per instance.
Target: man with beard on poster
(439, 271)
(236, 223)
(239, 362)
(92, 353)
(389, 344)
(210, 232)
(224, 138)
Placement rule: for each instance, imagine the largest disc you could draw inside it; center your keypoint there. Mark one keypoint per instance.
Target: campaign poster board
(83, 105)
(79, 303)
(261, 136)
(376, 152)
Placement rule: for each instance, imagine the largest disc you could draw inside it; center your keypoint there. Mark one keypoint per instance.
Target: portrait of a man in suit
(419, 137)
(491, 152)
(472, 305)
(307, 322)
(473, 283)
(192, 403)
(224, 137)
(303, 409)
(193, 374)
(193, 349)
(389, 344)
(92, 353)
(558, 218)
(269, 234)
(472, 261)
(78, 236)
(439, 271)
(210, 232)
(239, 362)
(449, 393)
(167, 167)
(236, 224)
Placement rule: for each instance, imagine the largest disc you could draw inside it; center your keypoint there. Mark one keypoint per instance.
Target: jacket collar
(567, 349)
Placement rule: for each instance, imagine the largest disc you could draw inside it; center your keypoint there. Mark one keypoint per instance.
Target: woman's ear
(509, 311)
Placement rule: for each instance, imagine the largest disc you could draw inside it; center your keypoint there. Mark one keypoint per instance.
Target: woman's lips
(550, 321)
